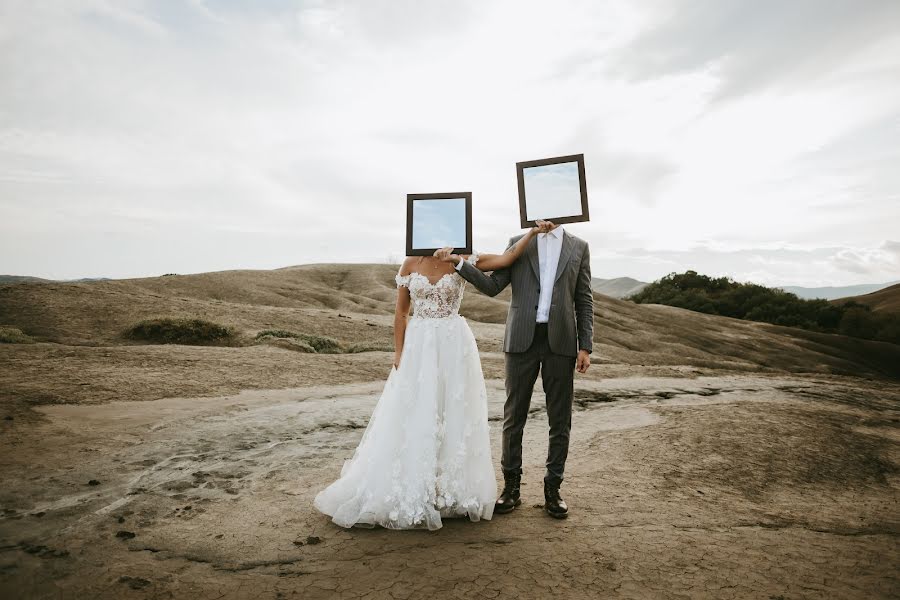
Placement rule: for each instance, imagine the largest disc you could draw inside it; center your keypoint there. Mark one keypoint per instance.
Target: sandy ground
(709, 486)
(710, 458)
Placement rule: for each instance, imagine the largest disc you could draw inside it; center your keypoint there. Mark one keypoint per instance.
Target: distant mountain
(886, 299)
(22, 279)
(832, 293)
(619, 287)
(29, 279)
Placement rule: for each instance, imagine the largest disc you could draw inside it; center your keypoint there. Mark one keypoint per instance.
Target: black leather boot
(555, 506)
(509, 498)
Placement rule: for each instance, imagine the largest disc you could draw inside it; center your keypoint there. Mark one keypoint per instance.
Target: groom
(549, 329)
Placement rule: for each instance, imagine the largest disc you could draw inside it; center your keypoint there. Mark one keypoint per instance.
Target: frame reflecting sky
(438, 223)
(552, 191)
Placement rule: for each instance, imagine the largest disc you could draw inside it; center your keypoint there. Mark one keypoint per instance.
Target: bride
(425, 453)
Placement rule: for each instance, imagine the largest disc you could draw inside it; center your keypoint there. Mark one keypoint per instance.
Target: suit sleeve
(490, 285)
(584, 304)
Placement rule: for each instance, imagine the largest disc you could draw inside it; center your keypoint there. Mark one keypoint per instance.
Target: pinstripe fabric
(571, 322)
(557, 373)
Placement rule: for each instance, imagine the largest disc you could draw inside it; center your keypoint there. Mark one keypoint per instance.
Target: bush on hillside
(12, 335)
(288, 343)
(319, 343)
(369, 347)
(726, 297)
(861, 321)
(192, 332)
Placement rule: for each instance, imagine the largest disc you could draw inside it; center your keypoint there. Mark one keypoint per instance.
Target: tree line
(726, 297)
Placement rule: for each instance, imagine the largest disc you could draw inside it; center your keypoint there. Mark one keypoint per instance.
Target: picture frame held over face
(437, 220)
(552, 189)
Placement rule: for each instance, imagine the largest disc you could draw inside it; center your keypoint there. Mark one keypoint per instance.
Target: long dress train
(425, 453)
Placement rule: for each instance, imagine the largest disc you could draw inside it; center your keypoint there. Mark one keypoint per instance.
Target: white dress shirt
(549, 247)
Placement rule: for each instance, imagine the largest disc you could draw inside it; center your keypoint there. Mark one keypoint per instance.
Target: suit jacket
(571, 323)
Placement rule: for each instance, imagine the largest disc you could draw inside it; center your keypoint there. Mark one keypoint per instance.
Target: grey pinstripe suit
(551, 350)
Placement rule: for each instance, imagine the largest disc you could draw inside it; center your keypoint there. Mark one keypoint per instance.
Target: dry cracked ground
(773, 486)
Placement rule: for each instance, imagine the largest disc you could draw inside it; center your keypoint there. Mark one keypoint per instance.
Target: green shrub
(289, 343)
(319, 343)
(275, 333)
(753, 302)
(11, 335)
(192, 332)
(889, 328)
(368, 347)
(859, 321)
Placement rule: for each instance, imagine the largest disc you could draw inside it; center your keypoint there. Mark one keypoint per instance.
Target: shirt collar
(557, 233)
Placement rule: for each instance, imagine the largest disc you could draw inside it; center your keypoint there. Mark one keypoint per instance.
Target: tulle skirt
(425, 454)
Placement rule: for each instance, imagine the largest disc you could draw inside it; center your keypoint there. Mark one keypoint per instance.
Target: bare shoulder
(408, 265)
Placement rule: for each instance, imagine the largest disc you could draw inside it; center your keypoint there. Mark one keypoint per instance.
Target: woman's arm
(401, 312)
(400, 315)
(494, 262)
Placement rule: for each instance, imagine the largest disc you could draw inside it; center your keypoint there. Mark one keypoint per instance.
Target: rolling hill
(353, 302)
(619, 287)
(832, 293)
(30, 279)
(22, 279)
(887, 299)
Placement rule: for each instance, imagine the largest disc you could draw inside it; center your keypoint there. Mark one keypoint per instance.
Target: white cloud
(704, 126)
(869, 261)
(776, 265)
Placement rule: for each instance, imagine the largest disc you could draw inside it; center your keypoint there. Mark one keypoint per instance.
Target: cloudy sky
(552, 191)
(757, 139)
(439, 222)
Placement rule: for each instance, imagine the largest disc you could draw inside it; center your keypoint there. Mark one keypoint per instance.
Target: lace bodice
(435, 300)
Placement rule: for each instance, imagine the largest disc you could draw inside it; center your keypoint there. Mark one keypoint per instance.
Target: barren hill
(353, 302)
(887, 299)
(619, 287)
(21, 279)
(835, 292)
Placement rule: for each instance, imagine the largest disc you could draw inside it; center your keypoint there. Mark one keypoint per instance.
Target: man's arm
(491, 284)
(584, 303)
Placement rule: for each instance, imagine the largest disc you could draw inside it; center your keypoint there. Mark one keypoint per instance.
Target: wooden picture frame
(425, 213)
(575, 202)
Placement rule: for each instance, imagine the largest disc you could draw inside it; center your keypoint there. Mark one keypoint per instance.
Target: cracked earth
(731, 486)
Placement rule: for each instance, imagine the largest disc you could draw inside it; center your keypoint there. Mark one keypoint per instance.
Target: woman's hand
(541, 226)
(445, 254)
(396, 360)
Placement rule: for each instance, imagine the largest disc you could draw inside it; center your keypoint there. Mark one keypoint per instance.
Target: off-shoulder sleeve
(402, 280)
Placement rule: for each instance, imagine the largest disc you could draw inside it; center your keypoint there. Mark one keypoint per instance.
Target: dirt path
(711, 487)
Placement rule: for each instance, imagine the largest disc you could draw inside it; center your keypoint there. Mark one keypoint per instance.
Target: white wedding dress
(425, 453)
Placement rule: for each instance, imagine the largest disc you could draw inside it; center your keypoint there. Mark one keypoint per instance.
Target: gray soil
(731, 486)
(710, 457)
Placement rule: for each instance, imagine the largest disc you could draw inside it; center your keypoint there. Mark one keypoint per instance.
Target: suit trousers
(558, 375)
